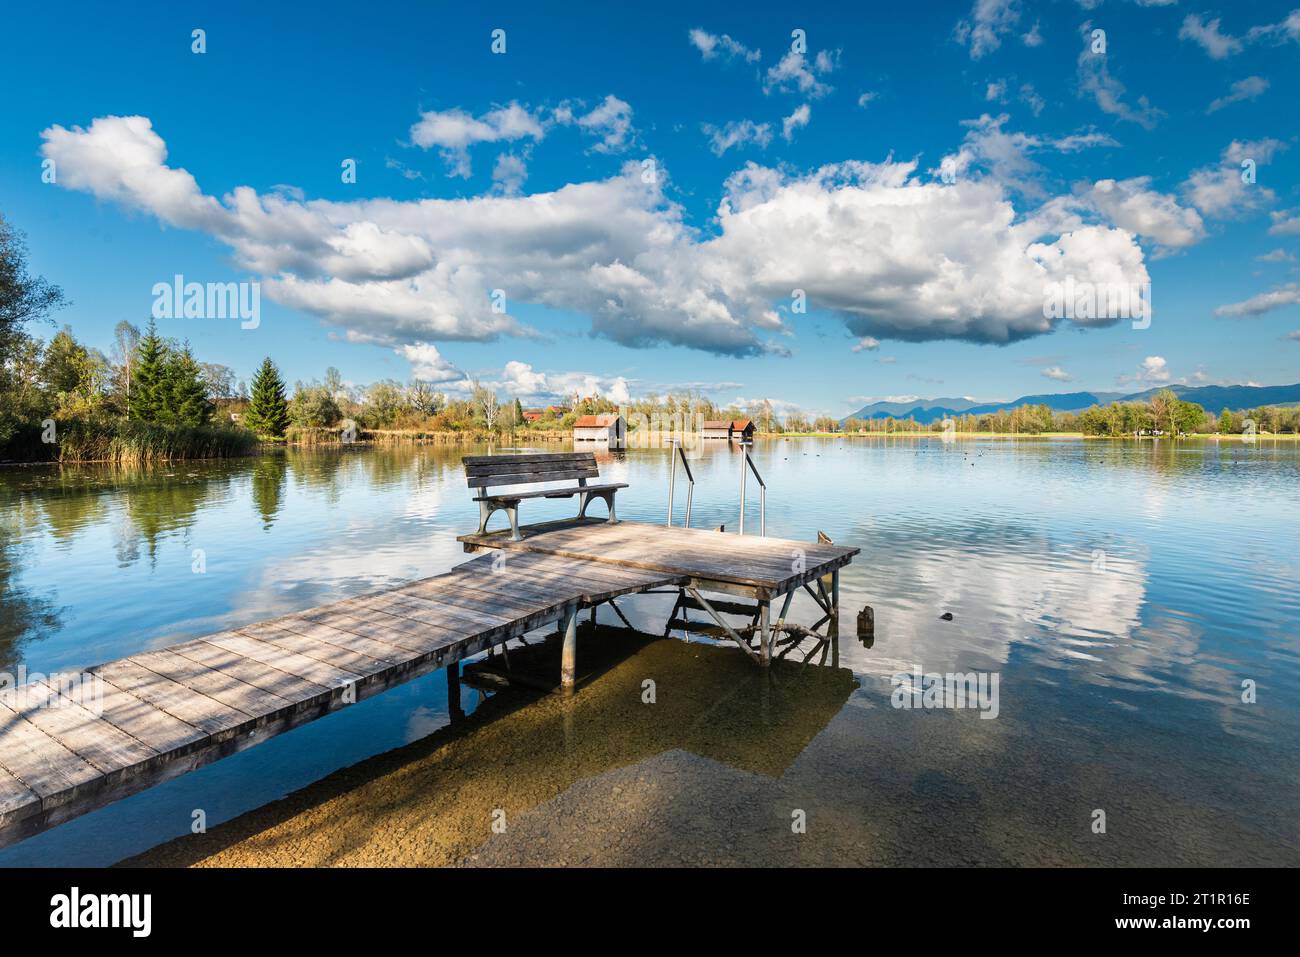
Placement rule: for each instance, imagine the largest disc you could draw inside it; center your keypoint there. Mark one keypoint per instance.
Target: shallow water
(1121, 593)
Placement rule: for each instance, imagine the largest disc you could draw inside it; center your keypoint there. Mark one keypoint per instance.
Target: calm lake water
(1122, 593)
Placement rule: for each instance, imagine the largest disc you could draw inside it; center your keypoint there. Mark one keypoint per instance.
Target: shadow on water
(434, 801)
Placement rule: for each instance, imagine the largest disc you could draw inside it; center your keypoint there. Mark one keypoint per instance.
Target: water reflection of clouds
(1028, 591)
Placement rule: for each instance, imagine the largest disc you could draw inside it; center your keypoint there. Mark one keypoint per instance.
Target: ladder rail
(677, 453)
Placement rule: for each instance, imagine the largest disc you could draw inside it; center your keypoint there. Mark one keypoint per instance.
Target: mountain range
(1212, 397)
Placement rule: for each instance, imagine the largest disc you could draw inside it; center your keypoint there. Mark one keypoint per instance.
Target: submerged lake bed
(1136, 602)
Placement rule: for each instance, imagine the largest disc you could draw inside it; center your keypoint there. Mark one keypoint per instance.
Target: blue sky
(923, 174)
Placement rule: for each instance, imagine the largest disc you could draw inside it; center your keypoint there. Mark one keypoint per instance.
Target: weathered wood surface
(169, 711)
(484, 470)
(762, 567)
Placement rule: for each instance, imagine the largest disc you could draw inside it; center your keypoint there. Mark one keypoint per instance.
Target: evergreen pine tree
(268, 412)
(187, 394)
(150, 379)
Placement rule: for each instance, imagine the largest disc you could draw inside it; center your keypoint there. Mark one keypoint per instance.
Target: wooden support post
(668, 628)
(764, 634)
(454, 709)
(569, 656)
(619, 612)
(834, 629)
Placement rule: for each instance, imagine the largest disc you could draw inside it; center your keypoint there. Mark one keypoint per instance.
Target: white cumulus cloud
(455, 131)
(890, 253)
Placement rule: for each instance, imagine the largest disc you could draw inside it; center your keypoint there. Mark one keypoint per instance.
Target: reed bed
(131, 443)
(302, 435)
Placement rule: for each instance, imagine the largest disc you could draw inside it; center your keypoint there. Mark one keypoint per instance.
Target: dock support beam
(834, 630)
(764, 633)
(569, 656)
(454, 709)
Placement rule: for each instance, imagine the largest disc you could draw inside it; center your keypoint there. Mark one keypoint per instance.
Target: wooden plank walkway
(170, 711)
(758, 567)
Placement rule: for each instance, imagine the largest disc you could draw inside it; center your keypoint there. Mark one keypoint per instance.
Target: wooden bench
(484, 471)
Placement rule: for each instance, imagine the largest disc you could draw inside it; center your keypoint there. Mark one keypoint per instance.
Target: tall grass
(131, 443)
(308, 435)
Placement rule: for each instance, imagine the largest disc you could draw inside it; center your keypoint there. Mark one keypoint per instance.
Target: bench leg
(584, 499)
(487, 509)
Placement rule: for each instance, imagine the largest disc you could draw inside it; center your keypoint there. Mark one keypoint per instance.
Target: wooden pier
(170, 711)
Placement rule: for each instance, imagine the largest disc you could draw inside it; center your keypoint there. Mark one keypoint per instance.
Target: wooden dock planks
(765, 567)
(171, 710)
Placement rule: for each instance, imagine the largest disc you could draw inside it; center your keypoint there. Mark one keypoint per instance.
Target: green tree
(313, 407)
(149, 379)
(1225, 421)
(1188, 417)
(22, 297)
(187, 392)
(74, 376)
(386, 403)
(268, 412)
(61, 367)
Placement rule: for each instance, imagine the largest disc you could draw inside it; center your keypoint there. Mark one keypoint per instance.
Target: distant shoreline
(1215, 436)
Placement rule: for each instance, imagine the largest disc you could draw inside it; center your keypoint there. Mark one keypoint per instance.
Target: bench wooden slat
(508, 463)
(530, 458)
(548, 492)
(528, 478)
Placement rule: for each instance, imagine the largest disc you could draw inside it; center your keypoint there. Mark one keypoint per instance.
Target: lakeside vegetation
(1164, 414)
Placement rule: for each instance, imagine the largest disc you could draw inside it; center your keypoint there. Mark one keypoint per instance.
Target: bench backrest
(482, 471)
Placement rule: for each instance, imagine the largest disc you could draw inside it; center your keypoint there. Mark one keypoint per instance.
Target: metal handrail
(672, 479)
(762, 493)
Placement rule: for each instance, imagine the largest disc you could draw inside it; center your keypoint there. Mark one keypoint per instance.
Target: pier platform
(162, 713)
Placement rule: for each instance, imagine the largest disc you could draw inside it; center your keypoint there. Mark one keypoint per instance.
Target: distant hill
(1212, 397)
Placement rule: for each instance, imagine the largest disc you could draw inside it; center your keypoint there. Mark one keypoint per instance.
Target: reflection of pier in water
(432, 801)
(707, 700)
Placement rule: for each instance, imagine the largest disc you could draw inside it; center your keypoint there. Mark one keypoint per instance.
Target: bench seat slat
(550, 492)
(529, 478)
